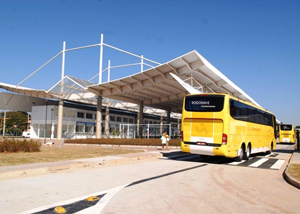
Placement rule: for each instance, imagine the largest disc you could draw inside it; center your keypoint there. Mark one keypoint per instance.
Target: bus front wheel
(271, 149)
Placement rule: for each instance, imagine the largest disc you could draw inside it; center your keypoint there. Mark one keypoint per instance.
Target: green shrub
(13, 145)
(126, 141)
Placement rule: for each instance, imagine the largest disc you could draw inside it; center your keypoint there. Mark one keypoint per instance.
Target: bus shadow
(186, 157)
(288, 151)
(226, 160)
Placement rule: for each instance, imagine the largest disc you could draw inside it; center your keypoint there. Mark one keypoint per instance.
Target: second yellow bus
(286, 133)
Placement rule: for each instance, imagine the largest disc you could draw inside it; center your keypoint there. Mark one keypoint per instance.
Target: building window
(69, 113)
(130, 120)
(125, 120)
(80, 129)
(80, 115)
(119, 119)
(89, 116)
(112, 118)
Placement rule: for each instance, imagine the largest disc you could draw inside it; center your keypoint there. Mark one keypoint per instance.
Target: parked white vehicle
(26, 134)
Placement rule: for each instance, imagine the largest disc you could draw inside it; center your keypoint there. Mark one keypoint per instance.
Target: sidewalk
(295, 159)
(26, 170)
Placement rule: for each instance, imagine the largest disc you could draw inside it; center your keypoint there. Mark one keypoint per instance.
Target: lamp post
(2, 120)
(45, 129)
(27, 121)
(33, 104)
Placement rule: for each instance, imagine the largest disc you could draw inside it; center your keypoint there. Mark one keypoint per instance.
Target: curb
(78, 165)
(289, 178)
(125, 146)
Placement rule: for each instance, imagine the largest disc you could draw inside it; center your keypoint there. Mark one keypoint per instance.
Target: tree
(16, 120)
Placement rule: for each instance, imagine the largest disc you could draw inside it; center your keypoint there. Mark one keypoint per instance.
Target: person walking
(164, 141)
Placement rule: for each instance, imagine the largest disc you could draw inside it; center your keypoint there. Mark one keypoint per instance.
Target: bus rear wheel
(247, 152)
(241, 154)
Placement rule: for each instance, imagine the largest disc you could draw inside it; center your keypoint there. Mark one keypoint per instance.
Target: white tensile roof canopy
(157, 88)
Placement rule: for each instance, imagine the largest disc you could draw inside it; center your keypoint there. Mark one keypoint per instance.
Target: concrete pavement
(19, 171)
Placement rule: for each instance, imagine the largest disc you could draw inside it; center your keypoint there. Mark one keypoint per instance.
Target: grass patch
(294, 171)
(17, 152)
(59, 154)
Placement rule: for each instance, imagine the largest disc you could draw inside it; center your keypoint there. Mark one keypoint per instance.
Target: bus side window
(232, 109)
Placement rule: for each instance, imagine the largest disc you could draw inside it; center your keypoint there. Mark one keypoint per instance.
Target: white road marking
(105, 199)
(259, 162)
(97, 208)
(278, 164)
(70, 201)
(237, 163)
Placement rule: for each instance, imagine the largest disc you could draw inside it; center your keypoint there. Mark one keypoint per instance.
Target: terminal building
(141, 105)
(79, 121)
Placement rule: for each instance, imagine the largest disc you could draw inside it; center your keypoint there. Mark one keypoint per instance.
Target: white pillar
(148, 130)
(127, 130)
(4, 121)
(101, 59)
(169, 121)
(161, 124)
(38, 134)
(60, 119)
(99, 117)
(142, 63)
(52, 131)
(107, 122)
(60, 101)
(108, 71)
(63, 61)
(140, 120)
(178, 128)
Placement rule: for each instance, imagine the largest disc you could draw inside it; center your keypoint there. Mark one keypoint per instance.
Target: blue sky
(255, 43)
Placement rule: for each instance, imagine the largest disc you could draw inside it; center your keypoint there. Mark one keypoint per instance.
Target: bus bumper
(204, 150)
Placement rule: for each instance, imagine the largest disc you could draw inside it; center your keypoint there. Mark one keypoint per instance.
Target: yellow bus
(220, 125)
(286, 133)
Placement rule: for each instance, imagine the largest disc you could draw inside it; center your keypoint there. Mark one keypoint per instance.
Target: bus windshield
(286, 127)
(198, 103)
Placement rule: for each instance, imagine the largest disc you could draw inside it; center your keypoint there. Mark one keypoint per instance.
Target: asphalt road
(176, 183)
